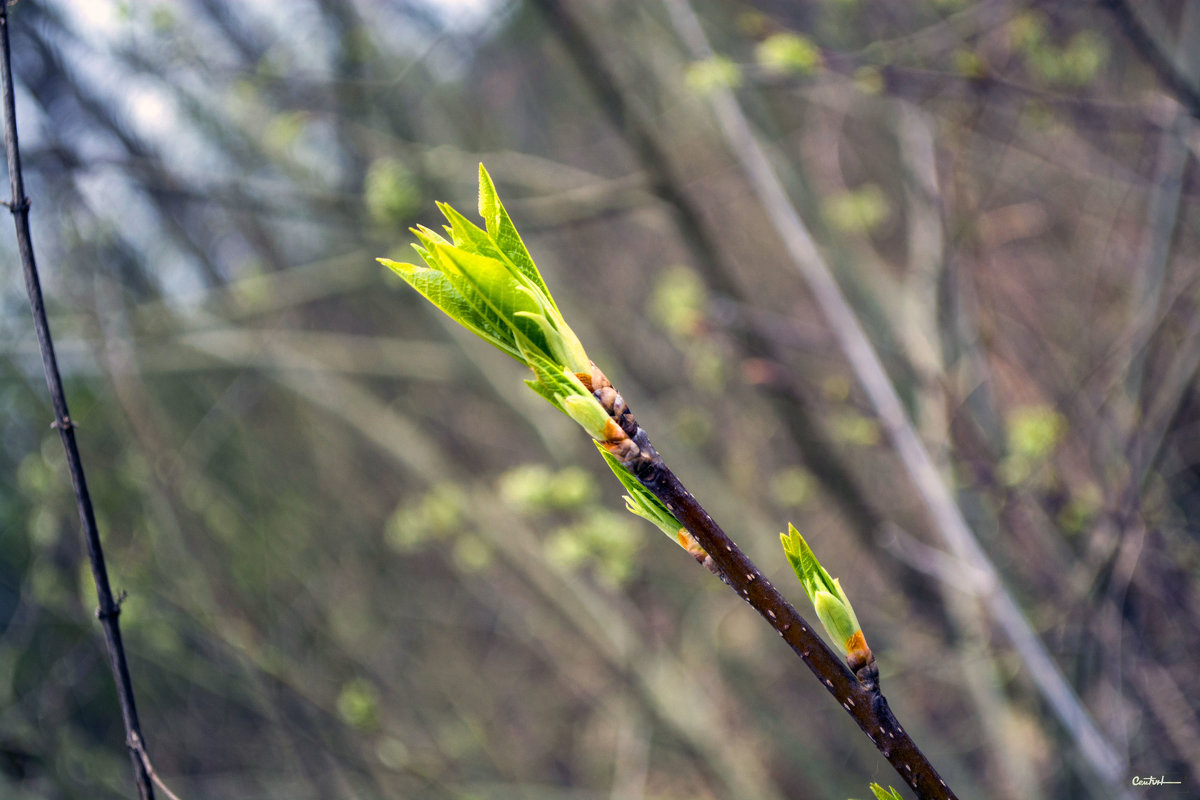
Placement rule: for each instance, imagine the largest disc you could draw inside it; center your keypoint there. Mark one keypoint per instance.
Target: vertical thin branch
(109, 608)
(864, 361)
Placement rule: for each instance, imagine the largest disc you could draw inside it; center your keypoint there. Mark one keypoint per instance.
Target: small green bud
(837, 618)
(587, 411)
(641, 502)
(830, 601)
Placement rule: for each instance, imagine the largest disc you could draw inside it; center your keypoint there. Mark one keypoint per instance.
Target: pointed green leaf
(640, 500)
(547, 392)
(809, 571)
(505, 233)
(438, 289)
(496, 294)
(428, 239)
(470, 237)
(885, 794)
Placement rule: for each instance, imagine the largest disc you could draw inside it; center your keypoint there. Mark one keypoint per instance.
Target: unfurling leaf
(485, 279)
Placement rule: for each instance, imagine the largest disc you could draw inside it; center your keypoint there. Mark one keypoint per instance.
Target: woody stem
(862, 700)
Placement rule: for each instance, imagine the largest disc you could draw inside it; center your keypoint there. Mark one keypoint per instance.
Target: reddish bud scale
(861, 660)
(628, 443)
(626, 440)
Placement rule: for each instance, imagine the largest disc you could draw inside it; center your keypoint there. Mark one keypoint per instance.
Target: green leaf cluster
(679, 302)
(602, 540)
(860, 210)
(832, 606)
(584, 535)
(485, 280)
(536, 488)
(390, 191)
(358, 704)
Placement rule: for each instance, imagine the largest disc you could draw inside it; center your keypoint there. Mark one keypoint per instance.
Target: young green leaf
(502, 230)
(485, 279)
(555, 382)
(885, 794)
(470, 237)
(639, 500)
(438, 289)
(495, 294)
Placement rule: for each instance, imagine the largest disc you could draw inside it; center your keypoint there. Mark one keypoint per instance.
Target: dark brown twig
(109, 608)
(857, 692)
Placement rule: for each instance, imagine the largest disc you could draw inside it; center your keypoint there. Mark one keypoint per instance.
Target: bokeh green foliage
(789, 53)
(718, 72)
(1071, 64)
(579, 530)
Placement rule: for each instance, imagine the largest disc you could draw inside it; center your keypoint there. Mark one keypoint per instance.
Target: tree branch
(109, 608)
(1185, 91)
(857, 692)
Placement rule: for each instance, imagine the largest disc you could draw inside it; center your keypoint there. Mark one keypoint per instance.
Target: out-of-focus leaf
(789, 53)
(718, 72)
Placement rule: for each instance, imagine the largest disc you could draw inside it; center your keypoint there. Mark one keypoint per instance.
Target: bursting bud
(591, 416)
(832, 606)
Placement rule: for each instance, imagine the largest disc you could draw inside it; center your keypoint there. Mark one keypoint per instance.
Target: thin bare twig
(140, 749)
(109, 607)
(864, 360)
